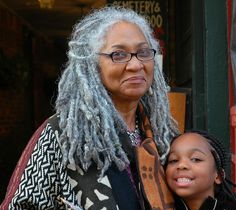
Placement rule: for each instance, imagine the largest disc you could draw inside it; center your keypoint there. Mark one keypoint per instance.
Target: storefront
(198, 46)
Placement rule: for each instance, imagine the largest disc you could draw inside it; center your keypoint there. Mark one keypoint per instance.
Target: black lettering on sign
(151, 9)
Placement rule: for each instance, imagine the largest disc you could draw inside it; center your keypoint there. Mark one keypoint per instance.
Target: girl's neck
(195, 204)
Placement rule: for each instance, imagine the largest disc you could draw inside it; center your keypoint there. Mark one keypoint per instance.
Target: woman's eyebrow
(124, 46)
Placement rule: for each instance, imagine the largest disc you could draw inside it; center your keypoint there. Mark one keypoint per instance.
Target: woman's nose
(134, 64)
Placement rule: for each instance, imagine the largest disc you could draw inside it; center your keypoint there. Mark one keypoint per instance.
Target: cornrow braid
(222, 158)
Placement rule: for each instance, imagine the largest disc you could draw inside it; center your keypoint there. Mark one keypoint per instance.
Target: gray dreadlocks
(89, 121)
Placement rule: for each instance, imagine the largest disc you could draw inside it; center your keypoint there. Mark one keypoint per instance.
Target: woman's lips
(136, 79)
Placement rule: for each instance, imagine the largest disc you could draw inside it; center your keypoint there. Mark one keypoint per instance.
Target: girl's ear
(220, 176)
(218, 179)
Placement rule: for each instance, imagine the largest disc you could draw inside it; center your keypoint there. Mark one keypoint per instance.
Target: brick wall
(27, 84)
(11, 111)
(11, 32)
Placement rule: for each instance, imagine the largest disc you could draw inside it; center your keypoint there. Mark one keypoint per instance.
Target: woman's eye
(119, 54)
(144, 52)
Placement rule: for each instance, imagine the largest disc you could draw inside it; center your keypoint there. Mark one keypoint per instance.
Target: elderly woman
(112, 127)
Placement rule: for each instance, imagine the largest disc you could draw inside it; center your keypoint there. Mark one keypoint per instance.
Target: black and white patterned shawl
(41, 181)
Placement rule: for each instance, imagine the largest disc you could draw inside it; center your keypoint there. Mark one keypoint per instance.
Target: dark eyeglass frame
(131, 56)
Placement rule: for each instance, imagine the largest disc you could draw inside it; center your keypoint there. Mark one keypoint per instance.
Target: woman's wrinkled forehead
(100, 37)
(122, 30)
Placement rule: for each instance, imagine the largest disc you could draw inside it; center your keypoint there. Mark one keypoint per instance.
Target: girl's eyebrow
(198, 150)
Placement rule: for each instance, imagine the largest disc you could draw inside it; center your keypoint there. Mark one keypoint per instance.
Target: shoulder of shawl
(54, 121)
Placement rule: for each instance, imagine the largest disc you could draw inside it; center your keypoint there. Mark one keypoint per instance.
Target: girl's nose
(183, 165)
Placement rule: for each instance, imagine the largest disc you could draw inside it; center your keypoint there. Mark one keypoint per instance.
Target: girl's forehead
(191, 140)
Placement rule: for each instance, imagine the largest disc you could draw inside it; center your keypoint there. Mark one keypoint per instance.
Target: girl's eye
(171, 161)
(195, 159)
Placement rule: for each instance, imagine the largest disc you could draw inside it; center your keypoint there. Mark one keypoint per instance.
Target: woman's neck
(128, 113)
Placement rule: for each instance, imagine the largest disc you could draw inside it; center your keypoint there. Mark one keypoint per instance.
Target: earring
(150, 91)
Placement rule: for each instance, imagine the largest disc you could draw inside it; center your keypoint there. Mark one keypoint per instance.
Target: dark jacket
(209, 204)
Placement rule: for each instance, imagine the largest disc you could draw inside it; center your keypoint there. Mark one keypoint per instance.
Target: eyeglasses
(122, 56)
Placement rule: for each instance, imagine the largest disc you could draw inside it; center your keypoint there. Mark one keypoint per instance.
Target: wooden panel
(178, 108)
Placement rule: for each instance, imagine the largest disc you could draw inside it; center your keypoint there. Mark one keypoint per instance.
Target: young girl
(195, 172)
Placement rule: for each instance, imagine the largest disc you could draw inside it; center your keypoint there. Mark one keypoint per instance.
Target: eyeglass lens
(142, 55)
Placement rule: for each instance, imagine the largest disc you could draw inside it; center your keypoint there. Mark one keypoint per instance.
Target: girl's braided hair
(222, 158)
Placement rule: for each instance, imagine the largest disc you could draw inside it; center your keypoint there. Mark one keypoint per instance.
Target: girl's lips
(183, 181)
